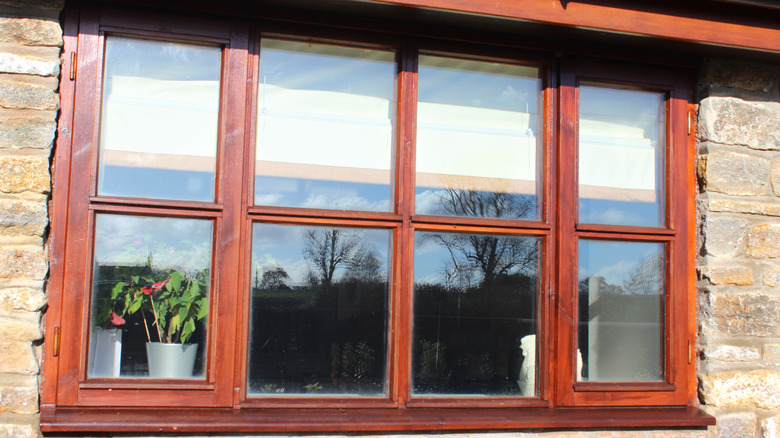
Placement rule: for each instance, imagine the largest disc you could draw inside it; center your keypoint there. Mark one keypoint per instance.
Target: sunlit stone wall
(739, 253)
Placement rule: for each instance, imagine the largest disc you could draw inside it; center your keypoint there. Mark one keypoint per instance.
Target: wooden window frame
(219, 403)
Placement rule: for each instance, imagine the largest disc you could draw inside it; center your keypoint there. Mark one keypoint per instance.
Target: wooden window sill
(177, 420)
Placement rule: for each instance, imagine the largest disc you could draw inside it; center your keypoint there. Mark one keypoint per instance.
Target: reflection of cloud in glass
(268, 198)
(345, 202)
(614, 216)
(170, 243)
(427, 201)
(616, 273)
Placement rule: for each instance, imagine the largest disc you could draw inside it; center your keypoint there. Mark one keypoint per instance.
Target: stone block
(731, 353)
(18, 330)
(736, 174)
(21, 298)
(18, 431)
(24, 173)
(737, 425)
(27, 132)
(772, 277)
(22, 95)
(739, 275)
(26, 262)
(17, 357)
(744, 75)
(738, 389)
(26, 65)
(772, 355)
(770, 427)
(775, 176)
(22, 218)
(763, 241)
(745, 314)
(19, 400)
(723, 236)
(732, 121)
(30, 31)
(742, 206)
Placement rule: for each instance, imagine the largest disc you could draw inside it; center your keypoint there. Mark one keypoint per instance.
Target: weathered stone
(19, 400)
(23, 262)
(763, 241)
(760, 388)
(21, 174)
(26, 132)
(745, 314)
(772, 277)
(30, 31)
(737, 425)
(775, 176)
(732, 353)
(733, 121)
(19, 330)
(772, 354)
(17, 357)
(22, 218)
(18, 431)
(10, 63)
(740, 206)
(744, 75)
(22, 95)
(770, 427)
(723, 236)
(740, 275)
(21, 298)
(736, 174)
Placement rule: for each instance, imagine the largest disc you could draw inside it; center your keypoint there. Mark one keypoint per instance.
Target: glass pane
(150, 297)
(621, 311)
(158, 131)
(319, 311)
(475, 315)
(621, 162)
(478, 139)
(325, 127)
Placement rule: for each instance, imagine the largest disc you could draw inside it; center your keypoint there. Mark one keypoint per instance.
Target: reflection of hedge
(334, 336)
(475, 332)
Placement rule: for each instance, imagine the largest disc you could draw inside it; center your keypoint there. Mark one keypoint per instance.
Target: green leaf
(135, 278)
(136, 305)
(203, 308)
(175, 281)
(175, 322)
(117, 288)
(189, 327)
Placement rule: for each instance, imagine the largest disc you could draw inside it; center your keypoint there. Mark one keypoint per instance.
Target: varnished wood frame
(676, 389)
(234, 212)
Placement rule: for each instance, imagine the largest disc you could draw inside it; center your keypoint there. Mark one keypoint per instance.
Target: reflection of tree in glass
(491, 255)
(647, 278)
(327, 250)
(273, 279)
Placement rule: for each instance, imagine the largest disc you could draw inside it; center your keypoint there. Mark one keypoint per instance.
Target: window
(288, 221)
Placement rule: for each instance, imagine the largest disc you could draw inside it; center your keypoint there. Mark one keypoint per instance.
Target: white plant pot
(105, 352)
(171, 361)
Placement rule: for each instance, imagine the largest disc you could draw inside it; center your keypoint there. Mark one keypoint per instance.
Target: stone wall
(739, 263)
(30, 42)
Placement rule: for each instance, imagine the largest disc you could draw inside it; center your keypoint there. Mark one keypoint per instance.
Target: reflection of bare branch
(328, 250)
(491, 255)
(647, 278)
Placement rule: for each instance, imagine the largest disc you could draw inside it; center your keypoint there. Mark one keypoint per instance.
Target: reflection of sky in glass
(325, 126)
(621, 137)
(170, 243)
(160, 109)
(282, 246)
(616, 261)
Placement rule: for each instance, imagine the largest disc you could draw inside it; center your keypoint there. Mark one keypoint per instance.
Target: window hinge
(73, 66)
(690, 352)
(56, 342)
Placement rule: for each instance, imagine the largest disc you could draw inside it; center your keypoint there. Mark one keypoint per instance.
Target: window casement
(413, 234)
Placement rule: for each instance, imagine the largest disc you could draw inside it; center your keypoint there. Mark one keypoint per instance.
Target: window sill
(83, 420)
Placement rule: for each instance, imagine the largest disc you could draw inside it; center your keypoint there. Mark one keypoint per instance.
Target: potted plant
(172, 307)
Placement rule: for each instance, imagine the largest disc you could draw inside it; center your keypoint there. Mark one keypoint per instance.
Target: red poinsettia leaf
(116, 319)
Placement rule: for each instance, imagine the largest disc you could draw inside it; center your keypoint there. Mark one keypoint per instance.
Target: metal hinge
(73, 66)
(690, 352)
(56, 342)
